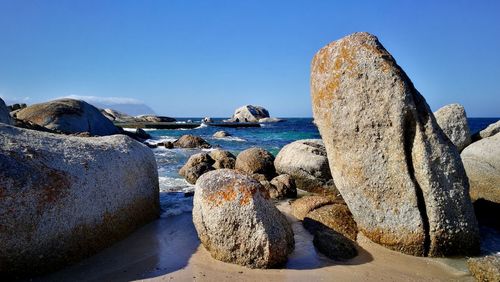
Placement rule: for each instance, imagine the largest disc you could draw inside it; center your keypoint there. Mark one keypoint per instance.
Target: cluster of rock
(119, 117)
(401, 177)
(201, 163)
(55, 188)
(251, 113)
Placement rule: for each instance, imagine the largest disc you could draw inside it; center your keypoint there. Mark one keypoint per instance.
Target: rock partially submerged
(402, 179)
(68, 116)
(453, 121)
(306, 162)
(237, 223)
(4, 113)
(63, 198)
(249, 113)
(489, 131)
(117, 116)
(256, 160)
(191, 141)
(482, 163)
(221, 134)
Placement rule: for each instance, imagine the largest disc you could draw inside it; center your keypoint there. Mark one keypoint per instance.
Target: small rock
(256, 160)
(141, 133)
(191, 141)
(223, 159)
(237, 223)
(284, 186)
(207, 120)
(336, 217)
(221, 134)
(334, 245)
(302, 206)
(196, 165)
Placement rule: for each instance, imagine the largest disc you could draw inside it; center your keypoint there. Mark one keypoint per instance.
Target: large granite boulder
(256, 160)
(401, 177)
(249, 113)
(491, 130)
(63, 198)
(482, 163)
(453, 121)
(306, 162)
(4, 113)
(196, 165)
(191, 141)
(237, 223)
(69, 116)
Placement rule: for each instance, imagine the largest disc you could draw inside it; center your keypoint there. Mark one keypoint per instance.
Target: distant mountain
(128, 106)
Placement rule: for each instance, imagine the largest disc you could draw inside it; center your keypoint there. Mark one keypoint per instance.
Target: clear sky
(205, 58)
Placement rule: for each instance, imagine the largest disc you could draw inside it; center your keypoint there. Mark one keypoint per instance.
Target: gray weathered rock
(237, 223)
(306, 162)
(4, 113)
(196, 165)
(485, 268)
(249, 113)
(63, 198)
(68, 116)
(491, 130)
(283, 187)
(482, 163)
(453, 121)
(402, 179)
(256, 160)
(191, 141)
(221, 134)
(222, 159)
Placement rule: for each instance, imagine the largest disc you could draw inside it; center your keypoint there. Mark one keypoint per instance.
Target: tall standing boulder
(306, 162)
(402, 179)
(4, 113)
(68, 116)
(453, 121)
(63, 198)
(482, 163)
(237, 223)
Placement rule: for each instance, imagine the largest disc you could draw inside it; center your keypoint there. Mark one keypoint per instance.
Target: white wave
(161, 139)
(203, 125)
(171, 184)
(232, 138)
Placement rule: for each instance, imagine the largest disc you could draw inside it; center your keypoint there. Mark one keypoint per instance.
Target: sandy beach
(168, 250)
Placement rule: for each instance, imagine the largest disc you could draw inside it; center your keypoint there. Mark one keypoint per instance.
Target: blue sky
(206, 58)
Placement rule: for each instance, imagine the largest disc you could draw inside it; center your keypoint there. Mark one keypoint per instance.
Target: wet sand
(168, 250)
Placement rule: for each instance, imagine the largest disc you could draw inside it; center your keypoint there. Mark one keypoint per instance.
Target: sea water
(174, 190)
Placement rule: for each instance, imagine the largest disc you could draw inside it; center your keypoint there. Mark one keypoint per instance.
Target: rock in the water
(153, 118)
(402, 179)
(207, 120)
(306, 162)
(237, 223)
(336, 217)
(256, 160)
(302, 206)
(485, 268)
(284, 187)
(140, 133)
(491, 130)
(169, 145)
(222, 159)
(196, 165)
(482, 163)
(249, 113)
(334, 245)
(221, 134)
(69, 116)
(64, 198)
(453, 121)
(4, 113)
(191, 141)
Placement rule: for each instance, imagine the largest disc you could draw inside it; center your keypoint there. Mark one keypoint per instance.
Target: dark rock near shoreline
(196, 165)
(306, 162)
(334, 245)
(4, 113)
(453, 121)
(481, 160)
(256, 160)
(401, 177)
(237, 223)
(191, 141)
(68, 116)
(63, 198)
